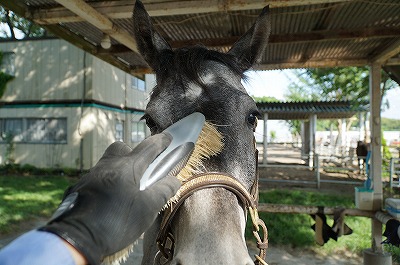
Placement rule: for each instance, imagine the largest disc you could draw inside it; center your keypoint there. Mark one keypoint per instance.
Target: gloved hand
(105, 212)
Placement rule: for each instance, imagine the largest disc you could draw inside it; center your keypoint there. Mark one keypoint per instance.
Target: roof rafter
(386, 54)
(123, 9)
(102, 22)
(321, 35)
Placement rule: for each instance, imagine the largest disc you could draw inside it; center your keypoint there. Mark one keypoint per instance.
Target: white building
(65, 106)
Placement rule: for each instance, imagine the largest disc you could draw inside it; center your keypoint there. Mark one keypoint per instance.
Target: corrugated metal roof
(301, 110)
(314, 33)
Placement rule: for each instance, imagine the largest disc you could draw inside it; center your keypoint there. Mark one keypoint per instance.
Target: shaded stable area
(305, 34)
(286, 168)
(307, 113)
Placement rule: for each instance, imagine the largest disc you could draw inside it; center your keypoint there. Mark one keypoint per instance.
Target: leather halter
(249, 200)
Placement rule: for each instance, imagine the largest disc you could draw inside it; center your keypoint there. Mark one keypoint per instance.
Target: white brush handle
(184, 134)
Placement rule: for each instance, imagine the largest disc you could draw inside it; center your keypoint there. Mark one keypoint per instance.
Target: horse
(208, 227)
(362, 152)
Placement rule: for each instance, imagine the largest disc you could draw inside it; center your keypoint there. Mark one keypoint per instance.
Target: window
(119, 131)
(46, 130)
(138, 84)
(138, 131)
(35, 130)
(11, 128)
(8, 63)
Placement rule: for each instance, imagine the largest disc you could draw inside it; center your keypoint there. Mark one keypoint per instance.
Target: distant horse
(208, 228)
(362, 152)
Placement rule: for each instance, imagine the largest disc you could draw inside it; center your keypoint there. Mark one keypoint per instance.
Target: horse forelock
(189, 63)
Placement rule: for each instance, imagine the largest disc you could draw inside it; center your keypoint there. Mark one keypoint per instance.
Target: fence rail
(394, 172)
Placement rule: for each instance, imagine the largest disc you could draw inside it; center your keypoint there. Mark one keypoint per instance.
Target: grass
(294, 230)
(26, 197)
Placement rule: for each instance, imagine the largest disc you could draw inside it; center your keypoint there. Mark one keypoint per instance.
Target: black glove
(105, 212)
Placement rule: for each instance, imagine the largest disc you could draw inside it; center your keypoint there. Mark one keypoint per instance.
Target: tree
(265, 99)
(333, 84)
(15, 26)
(4, 78)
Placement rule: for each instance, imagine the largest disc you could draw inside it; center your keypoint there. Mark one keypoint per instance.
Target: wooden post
(312, 140)
(376, 155)
(265, 139)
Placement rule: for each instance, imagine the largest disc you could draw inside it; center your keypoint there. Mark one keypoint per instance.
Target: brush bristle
(208, 144)
(120, 256)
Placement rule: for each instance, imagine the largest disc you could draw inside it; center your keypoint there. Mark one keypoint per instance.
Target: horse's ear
(150, 43)
(250, 47)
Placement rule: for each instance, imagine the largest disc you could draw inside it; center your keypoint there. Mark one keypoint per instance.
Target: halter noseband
(249, 200)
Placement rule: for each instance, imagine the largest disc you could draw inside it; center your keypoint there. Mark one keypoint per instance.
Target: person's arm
(78, 257)
(36, 247)
(105, 211)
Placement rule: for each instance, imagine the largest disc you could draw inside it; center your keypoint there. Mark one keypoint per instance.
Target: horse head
(209, 226)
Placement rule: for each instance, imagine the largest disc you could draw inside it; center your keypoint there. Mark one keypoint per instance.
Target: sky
(274, 84)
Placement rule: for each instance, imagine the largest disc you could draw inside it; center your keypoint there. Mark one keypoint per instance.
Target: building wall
(65, 82)
(45, 155)
(46, 69)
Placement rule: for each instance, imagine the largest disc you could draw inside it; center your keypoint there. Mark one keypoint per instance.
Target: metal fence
(329, 159)
(394, 172)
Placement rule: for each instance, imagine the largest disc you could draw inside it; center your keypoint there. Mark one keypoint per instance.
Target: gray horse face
(209, 227)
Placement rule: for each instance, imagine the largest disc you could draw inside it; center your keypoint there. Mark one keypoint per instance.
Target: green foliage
(4, 78)
(10, 148)
(265, 99)
(390, 124)
(386, 154)
(340, 83)
(13, 22)
(295, 229)
(272, 134)
(23, 198)
(325, 125)
(30, 170)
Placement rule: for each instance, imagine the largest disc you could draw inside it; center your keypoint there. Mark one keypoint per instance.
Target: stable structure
(307, 112)
(64, 106)
(305, 33)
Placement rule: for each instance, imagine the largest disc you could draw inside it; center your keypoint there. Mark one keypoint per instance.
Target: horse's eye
(150, 123)
(252, 119)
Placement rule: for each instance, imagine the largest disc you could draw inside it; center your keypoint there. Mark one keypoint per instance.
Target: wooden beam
(92, 49)
(78, 41)
(123, 9)
(316, 63)
(100, 21)
(386, 54)
(323, 63)
(302, 37)
(304, 209)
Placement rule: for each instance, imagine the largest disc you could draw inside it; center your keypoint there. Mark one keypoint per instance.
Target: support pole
(376, 155)
(312, 140)
(265, 139)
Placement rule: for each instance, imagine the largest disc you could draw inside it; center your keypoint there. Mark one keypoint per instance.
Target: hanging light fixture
(105, 41)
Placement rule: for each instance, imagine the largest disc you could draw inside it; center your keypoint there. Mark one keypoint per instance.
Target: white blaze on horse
(208, 227)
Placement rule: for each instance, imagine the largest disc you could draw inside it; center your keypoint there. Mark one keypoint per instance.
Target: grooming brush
(193, 141)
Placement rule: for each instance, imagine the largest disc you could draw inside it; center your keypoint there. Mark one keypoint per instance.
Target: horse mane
(187, 62)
